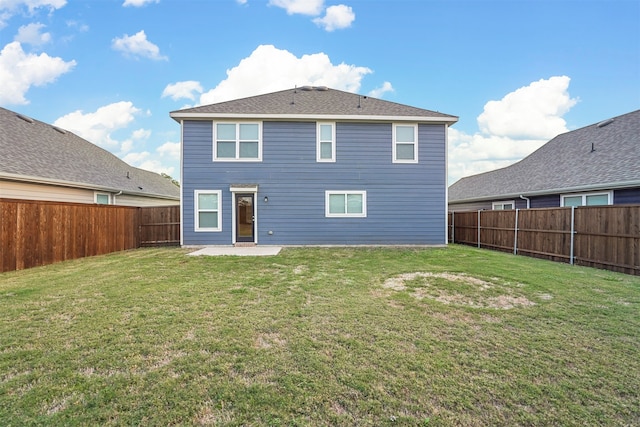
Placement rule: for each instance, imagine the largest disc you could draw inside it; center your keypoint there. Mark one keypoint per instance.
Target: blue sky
(516, 72)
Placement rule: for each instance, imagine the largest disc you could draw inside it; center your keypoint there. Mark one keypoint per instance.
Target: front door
(245, 228)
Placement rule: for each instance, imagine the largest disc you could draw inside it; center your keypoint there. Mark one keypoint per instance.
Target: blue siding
(405, 202)
(520, 203)
(546, 201)
(628, 196)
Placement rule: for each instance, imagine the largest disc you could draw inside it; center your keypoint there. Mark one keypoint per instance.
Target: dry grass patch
(459, 289)
(268, 340)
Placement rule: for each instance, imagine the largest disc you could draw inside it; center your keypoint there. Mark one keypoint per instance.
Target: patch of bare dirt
(476, 297)
(398, 282)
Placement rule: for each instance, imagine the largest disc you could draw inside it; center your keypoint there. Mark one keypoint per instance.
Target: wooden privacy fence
(605, 237)
(34, 233)
(160, 226)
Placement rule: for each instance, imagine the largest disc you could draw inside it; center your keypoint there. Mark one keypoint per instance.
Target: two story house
(313, 166)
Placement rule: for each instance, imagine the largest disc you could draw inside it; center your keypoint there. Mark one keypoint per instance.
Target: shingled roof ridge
(256, 105)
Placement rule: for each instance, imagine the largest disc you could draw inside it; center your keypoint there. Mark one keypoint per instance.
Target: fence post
(515, 237)
(479, 228)
(573, 210)
(453, 227)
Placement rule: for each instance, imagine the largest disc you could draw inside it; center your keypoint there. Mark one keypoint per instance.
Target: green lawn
(451, 336)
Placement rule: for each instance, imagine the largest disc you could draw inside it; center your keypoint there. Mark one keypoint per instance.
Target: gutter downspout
(120, 192)
(527, 199)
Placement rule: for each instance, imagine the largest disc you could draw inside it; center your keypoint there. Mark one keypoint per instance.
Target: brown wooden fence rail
(34, 233)
(606, 237)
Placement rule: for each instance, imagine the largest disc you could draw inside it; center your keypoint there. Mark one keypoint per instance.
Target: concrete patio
(237, 251)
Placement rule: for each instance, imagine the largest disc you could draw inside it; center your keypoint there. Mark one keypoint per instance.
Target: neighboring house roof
(311, 102)
(34, 151)
(604, 155)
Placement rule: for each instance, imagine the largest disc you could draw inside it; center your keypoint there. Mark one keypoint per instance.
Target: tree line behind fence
(606, 237)
(34, 233)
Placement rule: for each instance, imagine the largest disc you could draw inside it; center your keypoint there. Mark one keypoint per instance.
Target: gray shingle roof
(313, 101)
(31, 148)
(566, 163)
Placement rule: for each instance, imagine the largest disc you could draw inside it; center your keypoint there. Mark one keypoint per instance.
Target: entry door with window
(245, 219)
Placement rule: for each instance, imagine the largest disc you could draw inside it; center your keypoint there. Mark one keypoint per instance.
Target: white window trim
(237, 158)
(100, 193)
(502, 203)
(319, 141)
(609, 195)
(196, 211)
(415, 143)
(345, 215)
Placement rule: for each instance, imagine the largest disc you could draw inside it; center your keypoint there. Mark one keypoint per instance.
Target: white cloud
(83, 28)
(97, 127)
(141, 134)
(136, 136)
(533, 111)
(31, 4)
(170, 149)
(137, 45)
(512, 128)
(477, 153)
(181, 90)
(156, 166)
(145, 160)
(8, 8)
(336, 18)
(135, 159)
(138, 3)
(241, 1)
(378, 92)
(100, 126)
(30, 34)
(303, 7)
(269, 69)
(126, 146)
(19, 71)
(169, 152)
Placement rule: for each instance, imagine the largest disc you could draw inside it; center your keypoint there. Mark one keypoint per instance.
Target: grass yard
(397, 337)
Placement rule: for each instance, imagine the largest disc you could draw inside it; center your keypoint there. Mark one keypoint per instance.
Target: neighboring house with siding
(595, 165)
(39, 161)
(313, 166)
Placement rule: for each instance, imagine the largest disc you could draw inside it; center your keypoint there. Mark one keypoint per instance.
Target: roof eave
(81, 185)
(574, 189)
(179, 116)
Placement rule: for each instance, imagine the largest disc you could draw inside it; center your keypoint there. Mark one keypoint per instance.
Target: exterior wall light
(266, 199)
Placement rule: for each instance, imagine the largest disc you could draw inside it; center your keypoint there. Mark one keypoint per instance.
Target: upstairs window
(326, 146)
(587, 199)
(405, 143)
(237, 142)
(344, 204)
